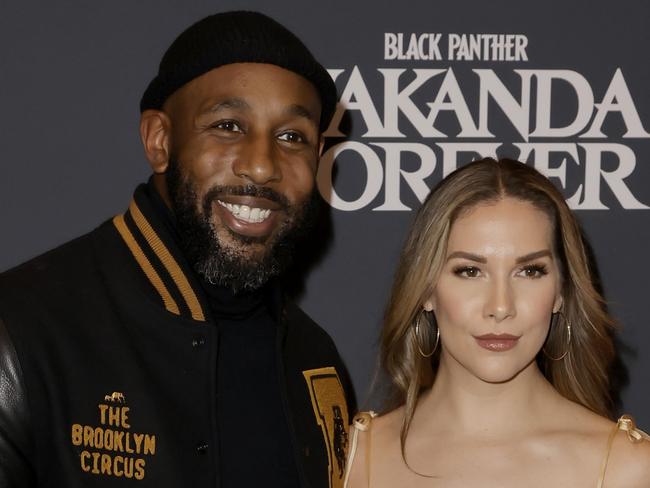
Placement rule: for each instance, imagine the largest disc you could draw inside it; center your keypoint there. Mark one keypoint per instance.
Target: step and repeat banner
(424, 87)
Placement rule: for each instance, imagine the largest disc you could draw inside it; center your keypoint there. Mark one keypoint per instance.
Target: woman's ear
(557, 305)
(155, 127)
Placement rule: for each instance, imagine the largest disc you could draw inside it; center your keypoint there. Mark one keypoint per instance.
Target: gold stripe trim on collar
(169, 262)
(145, 264)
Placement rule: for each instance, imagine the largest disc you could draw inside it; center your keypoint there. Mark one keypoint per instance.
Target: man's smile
(249, 216)
(253, 215)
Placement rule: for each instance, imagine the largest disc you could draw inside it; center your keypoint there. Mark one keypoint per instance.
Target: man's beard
(224, 264)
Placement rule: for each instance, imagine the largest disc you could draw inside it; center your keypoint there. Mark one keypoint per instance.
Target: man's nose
(258, 161)
(500, 301)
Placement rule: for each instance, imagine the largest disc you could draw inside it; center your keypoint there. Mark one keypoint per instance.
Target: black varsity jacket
(108, 369)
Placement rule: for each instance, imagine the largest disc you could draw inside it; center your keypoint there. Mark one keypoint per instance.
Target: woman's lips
(497, 342)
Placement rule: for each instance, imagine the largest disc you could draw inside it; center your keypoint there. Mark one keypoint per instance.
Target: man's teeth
(247, 214)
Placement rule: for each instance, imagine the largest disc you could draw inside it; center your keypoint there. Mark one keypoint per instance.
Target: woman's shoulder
(627, 459)
(364, 421)
(356, 473)
(368, 431)
(616, 452)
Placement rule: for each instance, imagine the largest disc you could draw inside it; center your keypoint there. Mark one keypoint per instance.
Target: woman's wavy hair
(582, 375)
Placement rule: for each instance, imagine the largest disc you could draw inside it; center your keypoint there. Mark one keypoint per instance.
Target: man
(159, 347)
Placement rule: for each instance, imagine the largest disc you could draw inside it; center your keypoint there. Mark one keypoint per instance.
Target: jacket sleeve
(16, 441)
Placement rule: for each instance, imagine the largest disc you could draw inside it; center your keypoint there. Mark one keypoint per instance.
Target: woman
(498, 349)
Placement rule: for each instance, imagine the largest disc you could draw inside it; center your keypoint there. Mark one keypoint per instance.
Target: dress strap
(634, 435)
(361, 423)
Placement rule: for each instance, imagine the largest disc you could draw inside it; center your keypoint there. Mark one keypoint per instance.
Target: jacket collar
(148, 230)
(155, 250)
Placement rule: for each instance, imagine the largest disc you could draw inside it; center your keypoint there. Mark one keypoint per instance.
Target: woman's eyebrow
(534, 255)
(467, 255)
(482, 259)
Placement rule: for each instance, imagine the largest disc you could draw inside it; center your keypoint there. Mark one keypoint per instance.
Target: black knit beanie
(237, 37)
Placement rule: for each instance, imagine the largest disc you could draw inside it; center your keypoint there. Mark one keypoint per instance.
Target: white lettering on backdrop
(417, 99)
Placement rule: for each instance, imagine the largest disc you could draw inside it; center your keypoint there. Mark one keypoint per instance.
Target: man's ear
(155, 128)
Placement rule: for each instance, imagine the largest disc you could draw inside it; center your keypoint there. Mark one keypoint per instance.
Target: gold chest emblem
(331, 412)
(111, 447)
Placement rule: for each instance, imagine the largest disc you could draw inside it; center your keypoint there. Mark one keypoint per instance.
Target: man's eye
(291, 137)
(467, 271)
(228, 125)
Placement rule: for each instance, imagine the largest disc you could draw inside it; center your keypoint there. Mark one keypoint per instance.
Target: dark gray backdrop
(72, 74)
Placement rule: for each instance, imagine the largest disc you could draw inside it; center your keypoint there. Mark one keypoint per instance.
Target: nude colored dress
(362, 423)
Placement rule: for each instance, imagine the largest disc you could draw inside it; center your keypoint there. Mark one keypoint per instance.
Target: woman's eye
(533, 271)
(291, 137)
(228, 125)
(467, 272)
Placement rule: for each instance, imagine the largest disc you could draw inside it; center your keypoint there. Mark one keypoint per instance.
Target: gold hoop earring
(416, 331)
(568, 344)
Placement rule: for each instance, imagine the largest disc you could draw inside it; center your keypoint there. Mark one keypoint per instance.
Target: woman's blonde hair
(581, 375)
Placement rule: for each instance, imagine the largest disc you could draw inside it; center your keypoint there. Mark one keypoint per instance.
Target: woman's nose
(500, 303)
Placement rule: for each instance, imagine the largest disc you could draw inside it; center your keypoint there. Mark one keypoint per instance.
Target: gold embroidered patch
(112, 448)
(331, 411)
(116, 396)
